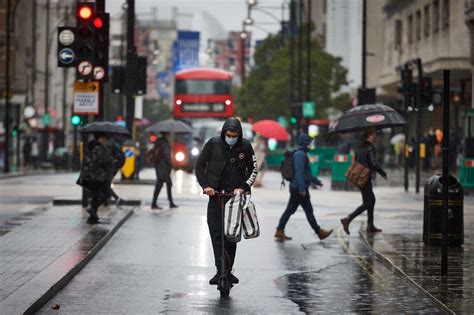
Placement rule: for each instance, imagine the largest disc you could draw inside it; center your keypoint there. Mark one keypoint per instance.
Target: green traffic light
(14, 133)
(75, 120)
(293, 120)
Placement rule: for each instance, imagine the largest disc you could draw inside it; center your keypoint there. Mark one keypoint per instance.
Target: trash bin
(338, 172)
(433, 213)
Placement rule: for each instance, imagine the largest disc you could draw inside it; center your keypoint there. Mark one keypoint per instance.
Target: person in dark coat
(365, 155)
(97, 169)
(119, 161)
(226, 164)
(299, 191)
(163, 166)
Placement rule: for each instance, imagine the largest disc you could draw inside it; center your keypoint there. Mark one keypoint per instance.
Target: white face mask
(231, 141)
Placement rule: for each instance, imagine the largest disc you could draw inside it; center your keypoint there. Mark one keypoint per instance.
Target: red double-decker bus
(203, 92)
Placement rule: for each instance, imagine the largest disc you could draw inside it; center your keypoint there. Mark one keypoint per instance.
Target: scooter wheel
(225, 293)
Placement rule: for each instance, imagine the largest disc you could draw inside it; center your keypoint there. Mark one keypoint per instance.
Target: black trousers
(158, 186)
(98, 197)
(368, 203)
(214, 221)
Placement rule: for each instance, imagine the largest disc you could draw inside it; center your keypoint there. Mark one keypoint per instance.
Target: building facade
(432, 30)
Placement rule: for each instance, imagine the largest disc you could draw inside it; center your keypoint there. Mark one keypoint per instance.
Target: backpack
(286, 167)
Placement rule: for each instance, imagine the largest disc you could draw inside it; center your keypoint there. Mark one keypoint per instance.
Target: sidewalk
(46, 250)
(401, 248)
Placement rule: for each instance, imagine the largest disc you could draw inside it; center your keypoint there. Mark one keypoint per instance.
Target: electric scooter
(224, 284)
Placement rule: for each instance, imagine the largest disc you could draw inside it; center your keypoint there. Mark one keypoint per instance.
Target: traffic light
(140, 81)
(101, 22)
(426, 93)
(406, 86)
(118, 79)
(76, 120)
(85, 43)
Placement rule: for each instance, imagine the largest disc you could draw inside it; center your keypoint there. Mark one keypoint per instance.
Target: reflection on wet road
(357, 284)
(161, 261)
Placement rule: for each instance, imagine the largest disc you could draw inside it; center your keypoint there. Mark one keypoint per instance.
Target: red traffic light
(84, 12)
(153, 138)
(98, 23)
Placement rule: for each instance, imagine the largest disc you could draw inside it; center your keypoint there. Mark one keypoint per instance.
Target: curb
(394, 268)
(58, 286)
(75, 202)
(135, 182)
(40, 173)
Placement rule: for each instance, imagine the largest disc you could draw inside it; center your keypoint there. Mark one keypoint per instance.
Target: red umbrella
(270, 129)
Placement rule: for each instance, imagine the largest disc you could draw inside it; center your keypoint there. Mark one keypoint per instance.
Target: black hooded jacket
(223, 167)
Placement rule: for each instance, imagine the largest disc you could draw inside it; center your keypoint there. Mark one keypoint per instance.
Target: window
(398, 34)
(427, 21)
(410, 29)
(418, 25)
(435, 16)
(203, 86)
(445, 14)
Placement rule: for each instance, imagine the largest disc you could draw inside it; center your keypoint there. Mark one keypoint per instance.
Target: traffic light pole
(418, 123)
(6, 164)
(407, 99)
(45, 134)
(292, 66)
(445, 177)
(130, 105)
(100, 7)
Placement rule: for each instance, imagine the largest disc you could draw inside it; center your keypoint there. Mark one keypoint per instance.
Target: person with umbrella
(97, 169)
(161, 158)
(365, 154)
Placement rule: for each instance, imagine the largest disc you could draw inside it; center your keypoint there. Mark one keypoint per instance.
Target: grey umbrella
(105, 127)
(365, 116)
(171, 126)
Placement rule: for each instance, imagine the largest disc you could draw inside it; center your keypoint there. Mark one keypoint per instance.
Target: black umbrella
(105, 127)
(171, 126)
(365, 116)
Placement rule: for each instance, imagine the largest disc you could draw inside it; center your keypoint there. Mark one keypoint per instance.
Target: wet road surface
(161, 261)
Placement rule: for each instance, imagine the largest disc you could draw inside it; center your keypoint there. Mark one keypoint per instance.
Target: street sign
(309, 109)
(66, 48)
(86, 98)
(66, 56)
(66, 37)
(99, 73)
(84, 68)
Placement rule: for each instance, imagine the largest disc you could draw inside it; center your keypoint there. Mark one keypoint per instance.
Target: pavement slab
(402, 249)
(41, 252)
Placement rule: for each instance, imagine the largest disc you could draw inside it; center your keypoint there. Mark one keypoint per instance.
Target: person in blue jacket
(299, 191)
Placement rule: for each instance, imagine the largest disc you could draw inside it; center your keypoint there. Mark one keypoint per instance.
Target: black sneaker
(215, 279)
(233, 279)
(156, 207)
(92, 214)
(173, 205)
(91, 220)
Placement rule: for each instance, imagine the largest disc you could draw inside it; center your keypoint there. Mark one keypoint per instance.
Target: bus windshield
(203, 86)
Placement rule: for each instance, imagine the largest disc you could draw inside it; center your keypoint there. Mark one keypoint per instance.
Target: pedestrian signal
(75, 120)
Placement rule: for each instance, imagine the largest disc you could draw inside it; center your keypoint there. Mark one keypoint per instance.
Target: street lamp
(252, 2)
(248, 21)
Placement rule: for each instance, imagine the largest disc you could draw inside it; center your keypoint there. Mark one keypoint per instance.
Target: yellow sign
(86, 86)
(422, 150)
(86, 98)
(128, 167)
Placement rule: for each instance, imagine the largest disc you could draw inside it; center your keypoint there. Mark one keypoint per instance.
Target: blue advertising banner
(186, 51)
